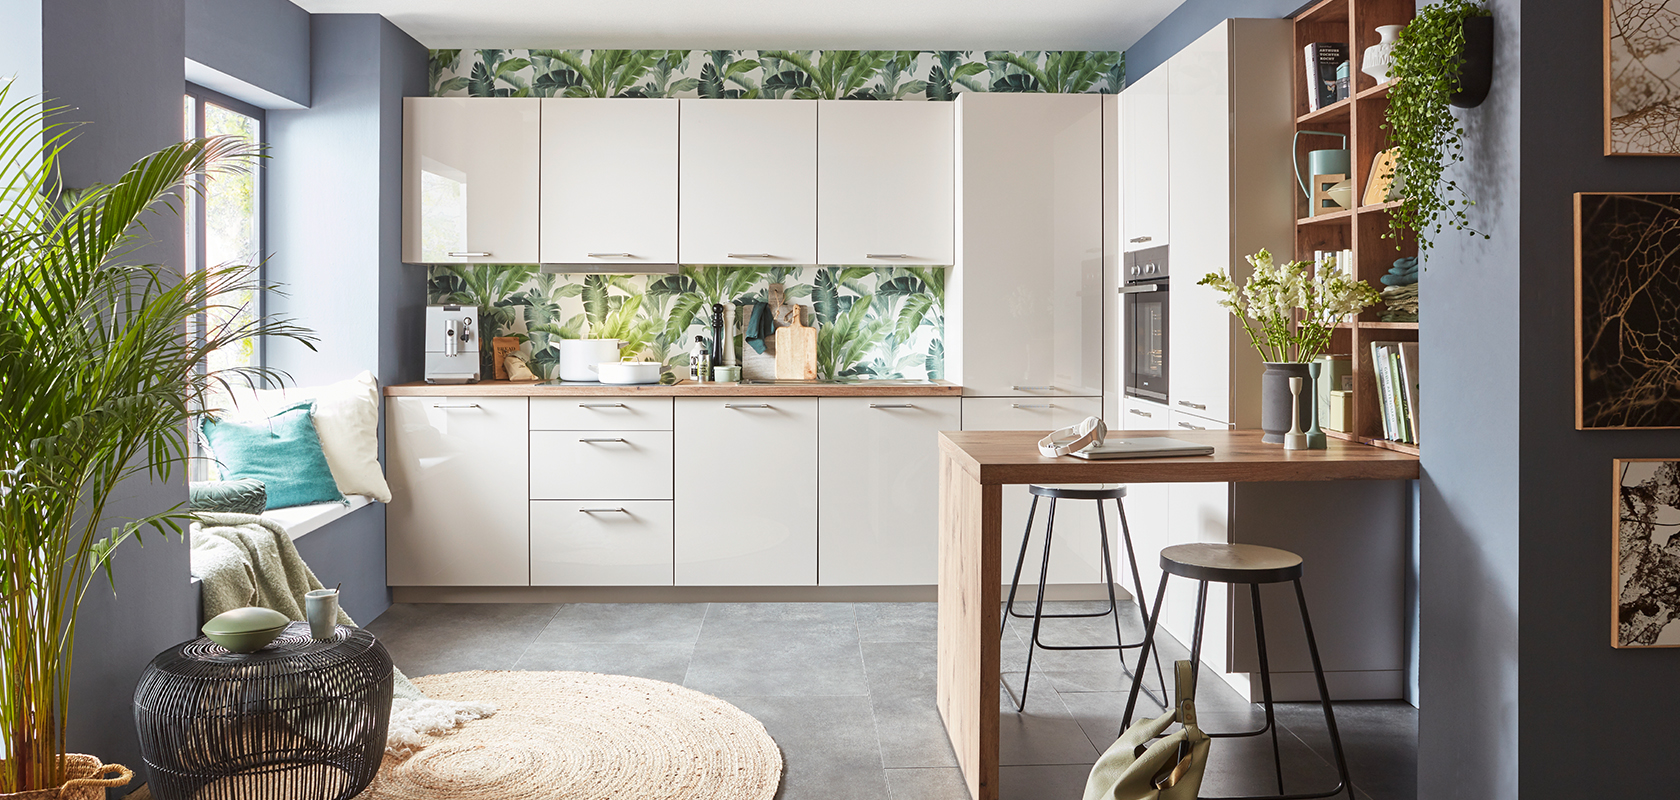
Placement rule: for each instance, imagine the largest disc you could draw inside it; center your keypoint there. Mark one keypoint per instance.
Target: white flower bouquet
(1272, 295)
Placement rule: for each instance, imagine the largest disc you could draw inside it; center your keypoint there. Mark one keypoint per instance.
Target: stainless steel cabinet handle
(468, 254)
(750, 255)
(1033, 388)
(467, 405)
(603, 511)
(588, 441)
(1192, 427)
(892, 405)
(1032, 405)
(1142, 287)
(747, 405)
(1140, 239)
(1188, 404)
(611, 255)
(1140, 413)
(600, 405)
(886, 255)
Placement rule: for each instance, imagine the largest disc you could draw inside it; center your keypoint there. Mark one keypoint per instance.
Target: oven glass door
(1146, 344)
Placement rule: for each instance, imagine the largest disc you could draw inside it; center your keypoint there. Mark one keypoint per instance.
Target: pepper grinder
(717, 333)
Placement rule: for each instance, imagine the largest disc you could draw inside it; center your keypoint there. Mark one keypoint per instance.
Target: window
(224, 222)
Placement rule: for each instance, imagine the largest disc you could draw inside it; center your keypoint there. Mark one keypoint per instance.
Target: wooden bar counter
(974, 467)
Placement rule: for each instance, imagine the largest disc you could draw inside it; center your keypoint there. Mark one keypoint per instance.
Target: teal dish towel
(283, 451)
(247, 496)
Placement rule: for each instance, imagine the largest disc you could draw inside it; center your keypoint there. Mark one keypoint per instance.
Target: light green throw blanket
(246, 560)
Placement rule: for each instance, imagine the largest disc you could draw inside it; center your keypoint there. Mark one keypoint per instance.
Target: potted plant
(1297, 311)
(98, 379)
(1443, 57)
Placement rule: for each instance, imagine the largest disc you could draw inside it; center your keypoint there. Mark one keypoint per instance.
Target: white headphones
(1089, 433)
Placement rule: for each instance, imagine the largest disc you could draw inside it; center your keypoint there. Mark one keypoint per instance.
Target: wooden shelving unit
(1360, 229)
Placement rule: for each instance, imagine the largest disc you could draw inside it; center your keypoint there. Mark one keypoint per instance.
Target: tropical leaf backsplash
(749, 74)
(875, 322)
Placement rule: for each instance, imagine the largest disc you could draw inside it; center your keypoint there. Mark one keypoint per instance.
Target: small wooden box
(1341, 411)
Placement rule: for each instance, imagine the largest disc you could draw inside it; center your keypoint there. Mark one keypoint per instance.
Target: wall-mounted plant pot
(1476, 67)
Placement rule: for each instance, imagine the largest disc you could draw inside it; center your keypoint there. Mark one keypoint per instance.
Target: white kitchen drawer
(1182, 421)
(1137, 414)
(1027, 413)
(600, 413)
(584, 465)
(601, 543)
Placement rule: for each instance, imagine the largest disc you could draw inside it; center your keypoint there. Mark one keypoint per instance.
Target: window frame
(199, 257)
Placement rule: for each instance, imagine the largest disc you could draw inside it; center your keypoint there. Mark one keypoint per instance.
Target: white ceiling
(754, 24)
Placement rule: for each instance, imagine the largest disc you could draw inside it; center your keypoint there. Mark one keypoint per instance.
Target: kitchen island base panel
(969, 621)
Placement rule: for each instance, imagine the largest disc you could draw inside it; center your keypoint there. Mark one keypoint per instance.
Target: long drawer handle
(1140, 413)
(611, 255)
(1141, 239)
(886, 255)
(600, 405)
(750, 255)
(1033, 388)
(468, 254)
(1188, 404)
(1032, 405)
(1192, 427)
(892, 405)
(590, 441)
(466, 405)
(747, 405)
(603, 511)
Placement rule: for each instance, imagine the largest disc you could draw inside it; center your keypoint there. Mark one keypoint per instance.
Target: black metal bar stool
(1090, 491)
(1253, 565)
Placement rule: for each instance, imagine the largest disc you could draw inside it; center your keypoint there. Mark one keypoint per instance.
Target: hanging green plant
(1426, 70)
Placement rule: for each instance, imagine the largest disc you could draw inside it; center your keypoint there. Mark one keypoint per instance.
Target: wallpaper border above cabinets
(772, 74)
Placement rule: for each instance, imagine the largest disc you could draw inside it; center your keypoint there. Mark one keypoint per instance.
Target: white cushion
(347, 420)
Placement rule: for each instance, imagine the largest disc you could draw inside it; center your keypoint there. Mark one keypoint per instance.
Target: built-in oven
(1144, 323)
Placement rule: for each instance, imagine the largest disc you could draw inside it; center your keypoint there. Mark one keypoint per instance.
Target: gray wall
(351, 551)
(264, 43)
(1188, 22)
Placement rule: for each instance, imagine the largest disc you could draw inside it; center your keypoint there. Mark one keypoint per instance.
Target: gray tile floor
(847, 691)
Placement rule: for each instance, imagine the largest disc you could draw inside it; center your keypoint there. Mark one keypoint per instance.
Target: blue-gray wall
(1188, 22)
(263, 43)
(351, 551)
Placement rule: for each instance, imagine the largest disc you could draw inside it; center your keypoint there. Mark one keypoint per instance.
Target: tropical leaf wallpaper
(770, 74)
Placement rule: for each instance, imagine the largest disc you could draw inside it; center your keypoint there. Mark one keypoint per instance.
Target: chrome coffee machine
(452, 344)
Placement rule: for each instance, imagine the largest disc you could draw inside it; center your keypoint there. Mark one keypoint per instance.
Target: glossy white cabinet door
(1138, 414)
(878, 488)
(746, 490)
(1076, 555)
(583, 465)
(1144, 146)
(458, 507)
(609, 181)
(748, 182)
(600, 413)
(1201, 512)
(1199, 335)
(470, 180)
(1027, 290)
(601, 543)
(885, 183)
(1148, 505)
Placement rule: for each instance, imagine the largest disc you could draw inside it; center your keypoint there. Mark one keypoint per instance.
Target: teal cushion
(247, 496)
(283, 452)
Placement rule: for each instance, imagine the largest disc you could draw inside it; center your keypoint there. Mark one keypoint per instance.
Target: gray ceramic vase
(1276, 401)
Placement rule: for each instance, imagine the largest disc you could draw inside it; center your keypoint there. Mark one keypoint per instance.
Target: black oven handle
(1143, 287)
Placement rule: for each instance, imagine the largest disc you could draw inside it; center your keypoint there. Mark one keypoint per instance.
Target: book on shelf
(1409, 367)
(1394, 367)
(1323, 84)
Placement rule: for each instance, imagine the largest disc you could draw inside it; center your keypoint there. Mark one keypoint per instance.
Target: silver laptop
(1144, 447)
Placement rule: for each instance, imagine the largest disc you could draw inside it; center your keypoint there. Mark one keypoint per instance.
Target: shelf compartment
(1334, 114)
(1386, 444)
(1326, 12)
(1334, 217)
(1380, 91)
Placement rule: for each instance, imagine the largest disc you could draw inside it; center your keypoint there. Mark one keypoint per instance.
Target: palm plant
(97, 384)
(835, 75)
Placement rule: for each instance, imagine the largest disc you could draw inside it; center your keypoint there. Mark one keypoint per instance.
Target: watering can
(1321, 162)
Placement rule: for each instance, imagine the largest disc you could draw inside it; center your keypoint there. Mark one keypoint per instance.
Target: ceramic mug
(321, 608)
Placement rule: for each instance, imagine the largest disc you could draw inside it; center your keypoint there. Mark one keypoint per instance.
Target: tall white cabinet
(609, 181)
(470, 180)
(748, 182)
(1145, 129)
(885, 177)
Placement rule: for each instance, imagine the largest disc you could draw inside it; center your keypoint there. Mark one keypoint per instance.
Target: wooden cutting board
(796, 351)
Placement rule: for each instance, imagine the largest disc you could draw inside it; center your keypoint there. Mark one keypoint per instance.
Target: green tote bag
(1141, 767)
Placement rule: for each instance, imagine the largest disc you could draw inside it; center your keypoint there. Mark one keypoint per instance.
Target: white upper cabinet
(885, 182)
(470, 180)
(609, 181)
(748, 182)
(1025, 301)
(1145, 128)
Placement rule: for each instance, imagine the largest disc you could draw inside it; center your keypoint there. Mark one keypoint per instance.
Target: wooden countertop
(680, 389)
(997, 457)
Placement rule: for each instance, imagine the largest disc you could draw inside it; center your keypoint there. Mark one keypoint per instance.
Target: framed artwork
(1647, 553)
(1627, 310)
(1641, 62)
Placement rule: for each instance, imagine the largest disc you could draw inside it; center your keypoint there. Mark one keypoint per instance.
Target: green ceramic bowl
(246, 630)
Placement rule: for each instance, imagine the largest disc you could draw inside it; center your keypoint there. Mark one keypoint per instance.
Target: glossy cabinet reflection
(470, 180)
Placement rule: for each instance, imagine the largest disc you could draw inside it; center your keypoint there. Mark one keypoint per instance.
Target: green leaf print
(721, 69)
(950, 73)
(844, 342)
(824, 75)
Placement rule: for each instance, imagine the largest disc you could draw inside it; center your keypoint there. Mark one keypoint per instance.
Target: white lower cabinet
(585, 465)
(1076, 552)
(878, 490)
(1201, 512)
(601, 543)
(1148, 505)
(459, 500)
(746, 490)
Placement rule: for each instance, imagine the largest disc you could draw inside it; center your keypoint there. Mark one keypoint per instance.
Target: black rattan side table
(296, 720)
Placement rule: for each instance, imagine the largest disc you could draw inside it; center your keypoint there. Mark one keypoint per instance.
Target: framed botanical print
(1627, 310)
(1646, 606)
(1641, 63)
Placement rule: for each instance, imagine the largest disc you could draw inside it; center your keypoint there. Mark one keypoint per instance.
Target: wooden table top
(999, 457)
(680, 389)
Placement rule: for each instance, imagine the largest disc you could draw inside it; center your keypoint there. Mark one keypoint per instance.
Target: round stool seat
(1079, 491)
(1231, 563)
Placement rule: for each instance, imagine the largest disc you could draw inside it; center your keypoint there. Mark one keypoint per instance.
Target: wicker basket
(86, 781)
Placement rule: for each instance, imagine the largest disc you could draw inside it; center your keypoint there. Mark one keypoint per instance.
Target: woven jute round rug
(581, 736)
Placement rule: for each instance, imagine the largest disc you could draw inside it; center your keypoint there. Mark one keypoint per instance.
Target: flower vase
(1276, 402)
(1377, 57)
